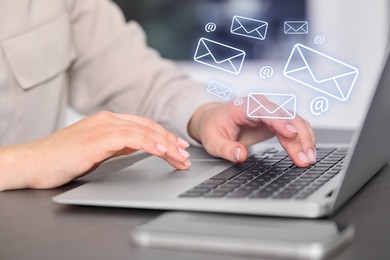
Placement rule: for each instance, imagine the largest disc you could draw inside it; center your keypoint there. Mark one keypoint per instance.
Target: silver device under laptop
(267, 184)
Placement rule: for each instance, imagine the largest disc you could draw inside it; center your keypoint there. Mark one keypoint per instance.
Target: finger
(170, 148)
(302, 148)
(139, 137)
(221, 146)
(146, 127)
(179, 165)
(282, 127)
(166, 147)
(154, 125)
(295, 151)
(306, 139)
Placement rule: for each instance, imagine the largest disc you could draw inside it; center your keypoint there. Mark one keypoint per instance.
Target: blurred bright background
(355, 32)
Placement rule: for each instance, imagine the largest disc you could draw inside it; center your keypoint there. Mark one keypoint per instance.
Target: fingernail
(302, 156)
(183, 142)
(184, 153)
(312, 155)
(187, 163)
(236, 154)
(291, 128)
(161, 148)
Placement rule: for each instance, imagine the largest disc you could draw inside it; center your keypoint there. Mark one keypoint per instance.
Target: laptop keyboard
(271, 175)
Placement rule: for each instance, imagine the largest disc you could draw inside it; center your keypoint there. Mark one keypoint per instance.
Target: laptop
(268, 183)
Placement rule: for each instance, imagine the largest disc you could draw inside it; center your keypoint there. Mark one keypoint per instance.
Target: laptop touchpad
(156, 168)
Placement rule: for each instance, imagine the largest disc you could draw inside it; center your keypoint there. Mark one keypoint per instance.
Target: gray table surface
(33, 227)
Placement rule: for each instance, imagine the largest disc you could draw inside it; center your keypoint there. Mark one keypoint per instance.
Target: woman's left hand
(226, 131)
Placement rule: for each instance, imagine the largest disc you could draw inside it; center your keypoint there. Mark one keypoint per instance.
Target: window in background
(174, 26)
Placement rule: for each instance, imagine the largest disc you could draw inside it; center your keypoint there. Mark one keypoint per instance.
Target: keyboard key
(215, 194)
(257, 183)
(325, 164)
(334, 161)
(314, 174)
(283, 196)
(284, 165)
(297, 170)
(283, 181)
(334, 171)
(248, 174)
(231, 185)
(261, 195)
(232, 171)
(273, 174)
(307, 178)
(302, 182)
(326, 149)
(326, 176)
(271, 189)
(320, 168)
(256, 171)
(191, 195)
(243, 177)
(292, 191)
(256, 158)
(204, 185)
(296, 187)
(337, 156)
(287, 179)
(249, 188)
(200, 189)
(216, 182)
(239, 194)
(238, 181)
(224, 189)
(288, 190)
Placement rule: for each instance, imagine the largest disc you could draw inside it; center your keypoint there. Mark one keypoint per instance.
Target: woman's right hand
(78, 149)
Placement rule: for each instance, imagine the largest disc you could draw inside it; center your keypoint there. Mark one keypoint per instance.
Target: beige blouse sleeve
(116, 71)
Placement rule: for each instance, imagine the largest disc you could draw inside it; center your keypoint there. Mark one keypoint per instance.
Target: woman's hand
(76, 150)
(225, 131)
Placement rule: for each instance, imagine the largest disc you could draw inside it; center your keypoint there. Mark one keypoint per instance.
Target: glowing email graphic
(248, 27)
(219, 56)
(296, 27)
(219, 90)
(275, 106)
(320, 72)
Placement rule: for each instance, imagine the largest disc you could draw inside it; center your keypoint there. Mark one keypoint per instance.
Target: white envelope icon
(275, 106)
(219, 90)
(219, 56)
(321, 72)
(248, 27)
(296, 27)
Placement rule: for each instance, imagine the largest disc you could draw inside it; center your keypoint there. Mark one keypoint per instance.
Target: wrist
(12, 173)
(195, 123)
